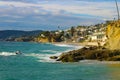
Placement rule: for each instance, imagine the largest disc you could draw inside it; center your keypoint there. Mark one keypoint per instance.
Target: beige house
(98, 36)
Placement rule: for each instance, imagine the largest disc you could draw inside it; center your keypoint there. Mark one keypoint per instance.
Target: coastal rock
(70, 57)
(113, 35)
(53, 57)
(91, 53)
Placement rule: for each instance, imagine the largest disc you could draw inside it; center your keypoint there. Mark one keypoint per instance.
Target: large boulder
(113, 35)
(53, 57)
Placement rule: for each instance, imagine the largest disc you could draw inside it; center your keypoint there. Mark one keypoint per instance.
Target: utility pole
(117, 8)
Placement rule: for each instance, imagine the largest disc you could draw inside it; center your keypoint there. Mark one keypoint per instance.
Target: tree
(72, 31)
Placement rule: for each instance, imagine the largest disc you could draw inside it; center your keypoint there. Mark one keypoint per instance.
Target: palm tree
(117, 8)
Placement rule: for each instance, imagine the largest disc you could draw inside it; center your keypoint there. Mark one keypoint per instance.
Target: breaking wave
(45, 58)
(44, 55)
(7, 53)
(68, 45)
(52, 51)
(63, 45)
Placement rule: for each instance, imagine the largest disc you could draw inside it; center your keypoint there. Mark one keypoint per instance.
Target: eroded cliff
(113, 35)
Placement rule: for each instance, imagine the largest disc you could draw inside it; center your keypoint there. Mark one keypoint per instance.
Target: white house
(98, 36)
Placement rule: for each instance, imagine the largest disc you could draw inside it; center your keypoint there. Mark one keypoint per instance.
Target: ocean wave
(46, 57)
(68, 45)
(64, 45)
(42, 57)
(52, 51)
(78, 47)
(7, 53)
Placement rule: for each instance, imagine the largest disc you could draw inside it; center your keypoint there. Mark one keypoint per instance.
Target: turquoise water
(34, 64)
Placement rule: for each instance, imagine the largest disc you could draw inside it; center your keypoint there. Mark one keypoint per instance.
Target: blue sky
(49, 14)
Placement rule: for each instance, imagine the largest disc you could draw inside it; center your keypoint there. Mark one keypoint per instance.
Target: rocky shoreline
(110, 51)
(89, 53)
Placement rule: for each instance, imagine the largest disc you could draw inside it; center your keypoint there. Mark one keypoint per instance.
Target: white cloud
(91, 8)
(101, 9)
(16, 4)
(57, 13)
(14, 16)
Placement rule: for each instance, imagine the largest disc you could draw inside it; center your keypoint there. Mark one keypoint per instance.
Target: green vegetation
(73, 34)
(72, 31)
(15, 35)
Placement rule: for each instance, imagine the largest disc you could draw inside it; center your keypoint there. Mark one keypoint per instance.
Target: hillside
(109, 52)
(6, 34)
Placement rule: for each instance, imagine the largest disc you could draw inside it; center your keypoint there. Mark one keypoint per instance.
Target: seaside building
(98, 36)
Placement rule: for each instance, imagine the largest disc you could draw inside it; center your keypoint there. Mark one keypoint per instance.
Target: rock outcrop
(113, 35)
(91, 53)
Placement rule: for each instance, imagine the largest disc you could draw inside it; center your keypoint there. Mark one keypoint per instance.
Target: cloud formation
(54, 13)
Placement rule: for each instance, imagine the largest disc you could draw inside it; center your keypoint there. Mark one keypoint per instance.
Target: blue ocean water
(34, 64)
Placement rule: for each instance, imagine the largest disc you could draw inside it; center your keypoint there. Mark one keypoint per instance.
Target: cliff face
(113, 35)
(45, 40)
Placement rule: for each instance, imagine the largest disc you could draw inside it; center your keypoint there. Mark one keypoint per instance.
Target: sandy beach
(81, 44)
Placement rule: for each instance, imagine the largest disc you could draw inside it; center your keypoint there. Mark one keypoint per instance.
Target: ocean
(34, 64)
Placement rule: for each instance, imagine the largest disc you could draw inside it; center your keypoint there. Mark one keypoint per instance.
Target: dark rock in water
(53, 57)
(91, 53)
(67, 58)
(18, 52)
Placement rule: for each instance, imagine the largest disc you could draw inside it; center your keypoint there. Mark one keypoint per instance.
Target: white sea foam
(6, 54)
(42, 57)
(78, 47)
(53, 51)
(68, 45)
(64, 45)
(46, 57)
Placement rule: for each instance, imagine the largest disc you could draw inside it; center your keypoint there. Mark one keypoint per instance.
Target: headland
(108, 51)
